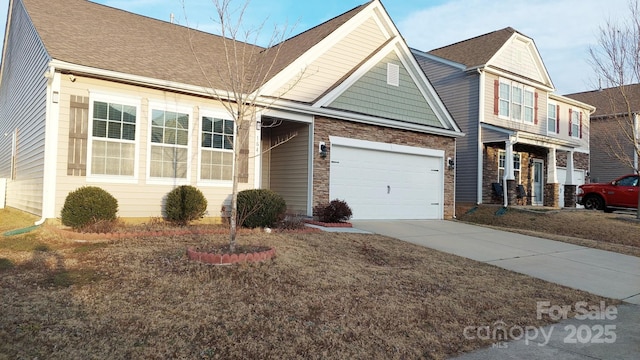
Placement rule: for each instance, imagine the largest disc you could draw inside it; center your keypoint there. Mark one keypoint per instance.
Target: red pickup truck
(621, 193)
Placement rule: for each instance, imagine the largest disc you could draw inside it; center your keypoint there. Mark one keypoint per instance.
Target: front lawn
(325, 295)
(617, 232)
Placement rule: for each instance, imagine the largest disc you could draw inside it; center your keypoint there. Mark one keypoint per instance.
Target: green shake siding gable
(372, 95)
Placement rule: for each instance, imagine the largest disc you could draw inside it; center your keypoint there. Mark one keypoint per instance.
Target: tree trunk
(234, 203)
(638, 204)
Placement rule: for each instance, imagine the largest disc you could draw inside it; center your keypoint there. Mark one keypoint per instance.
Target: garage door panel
(387, 185)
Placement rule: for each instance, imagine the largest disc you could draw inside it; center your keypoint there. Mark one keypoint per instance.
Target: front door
(538, 183)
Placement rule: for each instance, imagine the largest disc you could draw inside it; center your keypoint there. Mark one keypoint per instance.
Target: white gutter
(278, 104)
(480, 144)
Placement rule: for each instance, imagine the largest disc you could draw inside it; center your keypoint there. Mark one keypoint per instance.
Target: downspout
(455, 173)
(508, 168)
(50, 143)
(480, 161)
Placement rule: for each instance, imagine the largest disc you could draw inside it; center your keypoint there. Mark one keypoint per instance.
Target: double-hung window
(501, 165)
(216, 149)
(169, 148)
(552, 119)
(516, 102)
(113, 138)
(575, 123)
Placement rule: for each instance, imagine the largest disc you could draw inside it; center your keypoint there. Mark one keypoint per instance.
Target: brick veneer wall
(580, 160)
(325, 127)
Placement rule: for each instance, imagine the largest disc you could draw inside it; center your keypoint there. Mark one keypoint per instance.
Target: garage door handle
(388, 189)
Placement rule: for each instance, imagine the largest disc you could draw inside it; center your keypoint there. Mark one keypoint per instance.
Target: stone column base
(570, 196)
(552, 195)
(512, 192)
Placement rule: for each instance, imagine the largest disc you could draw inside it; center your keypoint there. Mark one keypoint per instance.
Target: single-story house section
(126, 107)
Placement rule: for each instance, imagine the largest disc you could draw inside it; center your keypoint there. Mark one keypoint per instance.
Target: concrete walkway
(599, 272)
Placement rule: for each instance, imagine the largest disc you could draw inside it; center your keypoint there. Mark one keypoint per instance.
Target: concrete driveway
(599, 272)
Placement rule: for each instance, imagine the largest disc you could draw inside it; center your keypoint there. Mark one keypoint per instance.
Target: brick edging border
(227, 259)
(320, 223)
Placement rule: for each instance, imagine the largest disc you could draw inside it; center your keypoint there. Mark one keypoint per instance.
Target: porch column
(552, 167)
(552, 188)
(569, 186)
(508, 184)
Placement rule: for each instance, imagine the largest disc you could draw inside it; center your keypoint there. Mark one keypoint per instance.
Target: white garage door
(384, 181)
(578, 179)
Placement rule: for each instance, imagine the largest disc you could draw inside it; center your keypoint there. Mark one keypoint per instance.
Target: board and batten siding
(459, 91)
(372, 95)
(140, 199)
(23, 93)
(288, 169)
(335, 63)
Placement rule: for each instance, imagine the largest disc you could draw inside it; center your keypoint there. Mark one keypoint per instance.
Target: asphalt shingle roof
(476, 51)
(85, 33)
(610, 101)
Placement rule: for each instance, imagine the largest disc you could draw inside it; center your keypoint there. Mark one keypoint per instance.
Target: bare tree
(240, 80)
(616, 61)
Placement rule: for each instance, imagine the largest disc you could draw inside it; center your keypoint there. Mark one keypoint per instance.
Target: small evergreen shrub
(88, 205)
(260, 208)
(185, 204)
(334, 212)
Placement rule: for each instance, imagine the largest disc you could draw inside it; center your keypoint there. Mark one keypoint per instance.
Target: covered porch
(522, 168)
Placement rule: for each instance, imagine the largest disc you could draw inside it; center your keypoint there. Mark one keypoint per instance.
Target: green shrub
(333, 212)
(88, 205)
(260, 208)
(185, 204)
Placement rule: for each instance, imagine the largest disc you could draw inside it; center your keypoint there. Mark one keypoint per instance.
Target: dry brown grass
(613, 232)
(326, 295)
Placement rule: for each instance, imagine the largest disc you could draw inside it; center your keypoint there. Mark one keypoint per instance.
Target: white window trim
(524, 88)
(169, 106)
(575, 134)
(555, 120)
(116, 99)
(528, 89)
(518, 171)
(220, 115)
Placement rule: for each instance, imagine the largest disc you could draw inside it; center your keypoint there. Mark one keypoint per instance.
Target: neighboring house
(92, 95)
(612, 131)
(499, 92)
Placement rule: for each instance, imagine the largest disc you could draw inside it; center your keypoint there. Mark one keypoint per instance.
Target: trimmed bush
(88, 205)
(334, 212)
(260, 208)
(185, 204)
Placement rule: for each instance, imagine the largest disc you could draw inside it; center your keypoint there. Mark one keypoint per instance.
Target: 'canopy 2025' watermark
(595, 330)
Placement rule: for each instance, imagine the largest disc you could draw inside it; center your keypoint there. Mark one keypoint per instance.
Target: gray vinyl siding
(373, 96)
(605, 167)
(23, 106)
(289, 166)
(460, 93)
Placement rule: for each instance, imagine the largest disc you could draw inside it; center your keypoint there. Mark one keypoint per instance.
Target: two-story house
(93, 95)
(613, 127)
(522, 140)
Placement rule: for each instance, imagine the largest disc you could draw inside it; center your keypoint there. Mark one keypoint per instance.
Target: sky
(563, 30)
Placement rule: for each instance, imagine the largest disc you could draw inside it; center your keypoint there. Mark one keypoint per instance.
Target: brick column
(570, 196)
(512, 192)
(552, 195)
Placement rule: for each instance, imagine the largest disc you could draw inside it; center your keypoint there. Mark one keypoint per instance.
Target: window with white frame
(169, 144)
(529, 106)
(501, 165)
(575, 123)
(216, 149)
(505, 99)
(552, 118)
(516, 102)
(113, 138)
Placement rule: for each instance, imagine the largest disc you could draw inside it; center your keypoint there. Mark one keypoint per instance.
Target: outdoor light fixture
(450, 163)
(530, 162)
(322, 147)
